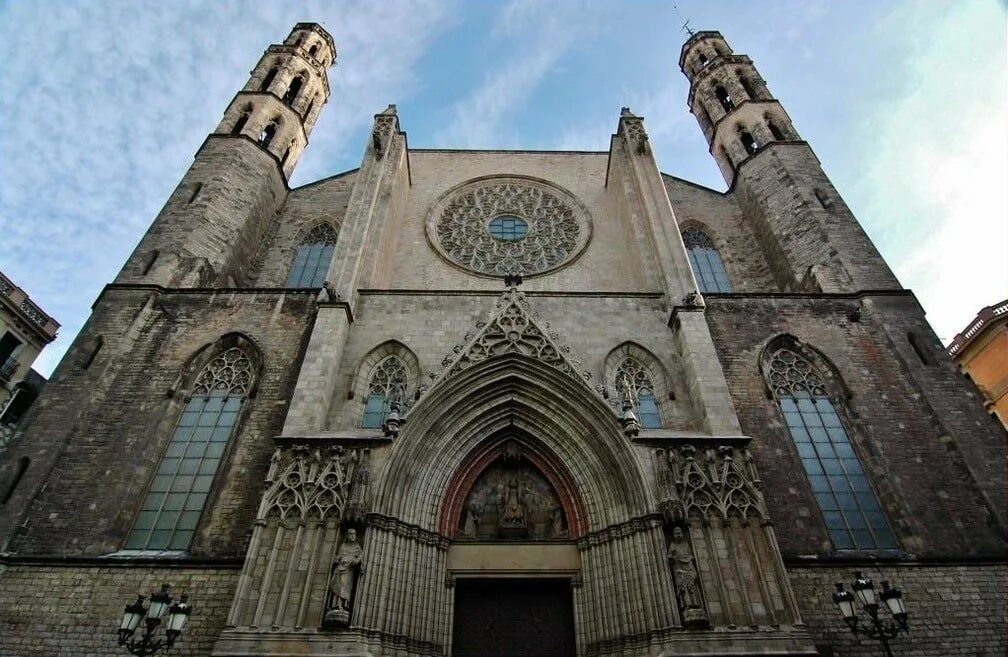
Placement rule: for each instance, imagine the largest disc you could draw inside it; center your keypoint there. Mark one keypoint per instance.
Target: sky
(104, 103)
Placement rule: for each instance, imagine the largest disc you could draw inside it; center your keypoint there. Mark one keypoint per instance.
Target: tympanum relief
(512, 500)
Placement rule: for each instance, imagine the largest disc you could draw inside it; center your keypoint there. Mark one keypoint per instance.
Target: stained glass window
(508, 227)
(641, 384)
(387, 378)
(706, 262)
(176, 498)
(311, 264)
(849, 506)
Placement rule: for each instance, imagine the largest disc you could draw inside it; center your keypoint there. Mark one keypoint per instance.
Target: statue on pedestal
(686, 579)
(349, 561)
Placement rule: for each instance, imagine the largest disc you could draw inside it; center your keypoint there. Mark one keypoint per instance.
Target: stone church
(504, 403)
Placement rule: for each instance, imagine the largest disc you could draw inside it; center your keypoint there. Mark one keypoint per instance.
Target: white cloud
(102, 111)
(538, 35)
(935, 177)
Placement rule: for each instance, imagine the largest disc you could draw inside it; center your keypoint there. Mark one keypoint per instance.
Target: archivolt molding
(659, 375)
(518, 394)
(362, 379)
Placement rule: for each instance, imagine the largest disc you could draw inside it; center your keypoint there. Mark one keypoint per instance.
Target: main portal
(513, 617)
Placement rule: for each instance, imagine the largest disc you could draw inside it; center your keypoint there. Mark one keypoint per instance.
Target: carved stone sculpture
(687, 579)
(348, 564)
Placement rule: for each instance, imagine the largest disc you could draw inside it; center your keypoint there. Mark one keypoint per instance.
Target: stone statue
(687, 579)
(514, 510)
(349, 561)
(558, 530)
(470, 525)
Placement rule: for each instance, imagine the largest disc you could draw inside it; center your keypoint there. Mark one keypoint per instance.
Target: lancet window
(631, 371)
(171, 511)
(706, 261)
(313, 256)
(386, 383)
(853, 516)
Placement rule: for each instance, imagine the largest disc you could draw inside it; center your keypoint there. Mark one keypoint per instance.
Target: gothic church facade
(471, 402)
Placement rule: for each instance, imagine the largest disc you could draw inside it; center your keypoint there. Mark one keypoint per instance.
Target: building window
(173, 506)
(632, 371)
(240, 124)
(267, 134)
(724, 98)
(508, 227)
(268, 80)
(749, 143)
(774, 130)
(849, 506)
(19, 471)
(311, 264)
(293, 90)
(387, 381)
(706, 262)
(747, 84)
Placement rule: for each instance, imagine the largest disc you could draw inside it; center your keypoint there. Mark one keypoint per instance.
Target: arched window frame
(269, 133)
(269, 78)
(372, 417)
(294, 88)
(810, 397)
(312, 256)
(723, 97)
(218, 383)
(706, 260)
(661, 392)
(243, 118)
(749, 142)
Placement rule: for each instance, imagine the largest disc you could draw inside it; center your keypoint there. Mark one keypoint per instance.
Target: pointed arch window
(388, 379)
(706, 262)
(849, 506)
(267, 134)
(268, 80)
(311, 264)
(724, 98)
(240, 123)
(642, 385)
(177, 496)
(293, 90)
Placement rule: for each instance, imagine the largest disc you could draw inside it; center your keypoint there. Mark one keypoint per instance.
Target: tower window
(197, 188)
(702, 58)
(920, 348)
(748, 142)
(313, 51)
(824, 199)
(853, 516)
(168, 517)
(388, 379)
(267, 134)
(724, 98)
(706, 262)
(748, 86)
(240, 124)
(311, 264)
(632, 371)
(151, 259)
(293, 90)
(268, 80)
(308, 109)
(775, 131)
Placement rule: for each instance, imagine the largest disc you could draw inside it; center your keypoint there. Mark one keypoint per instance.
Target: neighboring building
(25, 329)
(981, 352)
(524, 402)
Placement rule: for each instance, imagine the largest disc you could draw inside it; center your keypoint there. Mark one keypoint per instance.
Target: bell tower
(208, 231)
(809, 236)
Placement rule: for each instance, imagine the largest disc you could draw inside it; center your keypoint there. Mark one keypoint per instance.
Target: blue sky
(103, 104)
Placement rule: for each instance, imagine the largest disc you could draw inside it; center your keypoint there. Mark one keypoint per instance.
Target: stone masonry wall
(105, 428)
(952, 609)
(74, 610)
(930, 497)
(305, 208)
(720, 217)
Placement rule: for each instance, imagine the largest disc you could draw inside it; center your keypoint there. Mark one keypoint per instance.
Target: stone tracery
(557, 227)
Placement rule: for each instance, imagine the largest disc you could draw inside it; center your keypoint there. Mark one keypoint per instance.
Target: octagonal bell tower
(208, 232)
(810, 238)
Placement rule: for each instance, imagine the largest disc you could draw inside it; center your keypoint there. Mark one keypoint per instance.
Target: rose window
(501, 226)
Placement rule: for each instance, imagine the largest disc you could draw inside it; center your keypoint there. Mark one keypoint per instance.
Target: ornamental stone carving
(508, 225)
